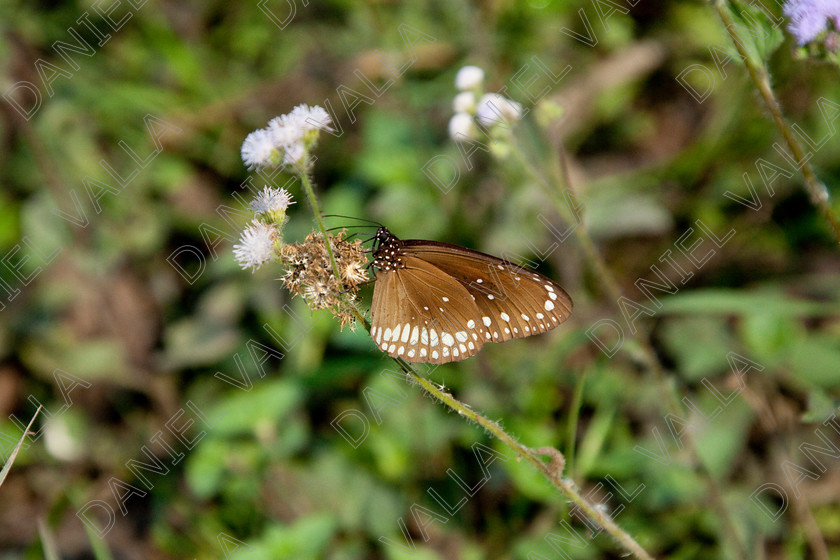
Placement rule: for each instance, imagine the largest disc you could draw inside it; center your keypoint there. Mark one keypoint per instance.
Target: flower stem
(553, 470)
(313, 201)
(647, 354)
(816, 190)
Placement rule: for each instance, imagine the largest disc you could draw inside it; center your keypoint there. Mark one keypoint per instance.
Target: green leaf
(756, 33)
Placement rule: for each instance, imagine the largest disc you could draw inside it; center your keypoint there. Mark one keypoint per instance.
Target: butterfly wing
(421, 314)
(513, 302)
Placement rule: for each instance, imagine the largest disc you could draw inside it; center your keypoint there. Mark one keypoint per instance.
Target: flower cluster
(472, 107)
(287, 140)
(815, 22)
(260, 241)
(310, 273)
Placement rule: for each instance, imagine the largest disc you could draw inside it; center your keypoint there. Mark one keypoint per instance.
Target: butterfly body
(436, 303)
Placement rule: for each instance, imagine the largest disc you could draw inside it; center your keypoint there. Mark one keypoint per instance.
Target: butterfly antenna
(346, 227)
(371, 222)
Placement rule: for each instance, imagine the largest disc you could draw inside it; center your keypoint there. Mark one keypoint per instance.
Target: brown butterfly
(437, 303)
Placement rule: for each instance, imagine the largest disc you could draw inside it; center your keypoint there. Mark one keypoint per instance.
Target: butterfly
(436, 303)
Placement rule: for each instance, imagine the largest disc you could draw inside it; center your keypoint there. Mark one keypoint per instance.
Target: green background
(125, 350)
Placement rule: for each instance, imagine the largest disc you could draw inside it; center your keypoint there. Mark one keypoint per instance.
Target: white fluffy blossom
(469, 77)
(257, 149)
(287, 138)
(309, 118)
(494, 108)
(461, 125)
(256, 245)
(464, 102)
(270, 200)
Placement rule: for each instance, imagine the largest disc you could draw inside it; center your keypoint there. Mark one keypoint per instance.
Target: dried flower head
(309, 273)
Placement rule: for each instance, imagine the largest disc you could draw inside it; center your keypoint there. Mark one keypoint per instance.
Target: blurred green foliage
(262, 472)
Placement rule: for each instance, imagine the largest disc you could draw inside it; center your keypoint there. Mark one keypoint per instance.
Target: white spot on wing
(415, 335)
(406, 332)
(505, 316)
(461, 336)
(434, 337)
(395, 335)
(447, 339)
(549, 305)
(526, 317)
(486, 321)
(471, 324)
(410, 354)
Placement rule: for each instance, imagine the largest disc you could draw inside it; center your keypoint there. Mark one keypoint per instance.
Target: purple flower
(809, 18)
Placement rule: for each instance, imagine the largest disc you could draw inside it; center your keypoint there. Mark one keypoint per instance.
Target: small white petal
(497, 109)
(271, 199)
(469, 77)
(461, 127)
(464, 102)
(256, 245)
(258, 148)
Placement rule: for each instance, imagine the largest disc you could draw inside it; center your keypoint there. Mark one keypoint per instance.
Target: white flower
(461, 125)
(285, 132)
(294, 154)
(469, 77)
(464, 102)
(271, 200)
(256, 245)
(493, 108)
(258, 148)
(310, 118)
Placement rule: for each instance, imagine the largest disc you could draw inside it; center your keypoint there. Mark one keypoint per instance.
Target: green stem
(648, 355)
(816, 190)
(313, 201)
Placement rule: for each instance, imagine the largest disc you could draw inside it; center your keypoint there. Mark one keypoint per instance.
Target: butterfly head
(387, 253)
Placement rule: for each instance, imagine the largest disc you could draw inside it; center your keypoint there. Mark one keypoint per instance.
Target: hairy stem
(647, 354)
(816, 190)
(313, 201)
